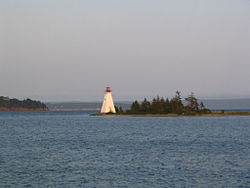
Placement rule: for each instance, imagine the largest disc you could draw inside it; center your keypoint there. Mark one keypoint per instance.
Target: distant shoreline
(8, 104)
(23, 109)
(75, 109)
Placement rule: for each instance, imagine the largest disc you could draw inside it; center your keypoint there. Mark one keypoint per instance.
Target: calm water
(73, 149)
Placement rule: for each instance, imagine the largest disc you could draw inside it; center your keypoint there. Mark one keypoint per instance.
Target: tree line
(27, 103)
(160, 105)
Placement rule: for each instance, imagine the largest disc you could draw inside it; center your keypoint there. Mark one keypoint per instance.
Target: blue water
(73, 149)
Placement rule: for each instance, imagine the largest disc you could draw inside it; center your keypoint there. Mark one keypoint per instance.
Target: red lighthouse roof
(108, 89)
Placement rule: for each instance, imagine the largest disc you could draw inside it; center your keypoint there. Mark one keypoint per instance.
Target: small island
(7, 104)
(159, 106)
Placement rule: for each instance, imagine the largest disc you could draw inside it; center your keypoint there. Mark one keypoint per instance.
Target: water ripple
(72, 149)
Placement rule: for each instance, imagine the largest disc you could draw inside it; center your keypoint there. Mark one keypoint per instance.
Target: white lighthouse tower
(108, 104)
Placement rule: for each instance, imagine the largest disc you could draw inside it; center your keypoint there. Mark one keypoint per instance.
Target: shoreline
(176, 115)
(22, 109)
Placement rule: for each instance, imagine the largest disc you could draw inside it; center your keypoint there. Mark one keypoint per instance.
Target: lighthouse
(108, 104)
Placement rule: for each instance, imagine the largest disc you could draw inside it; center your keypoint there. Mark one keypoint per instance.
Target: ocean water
(73, 149)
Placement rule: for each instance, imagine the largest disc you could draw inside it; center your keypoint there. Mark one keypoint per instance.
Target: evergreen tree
(135, 107)
(162, 105)
(167, 107)
(176, 104)
(120, 110)
(202, 106)
(117, 109)
(192, 104)
(203, 109)
(154, 106)
(145, 106)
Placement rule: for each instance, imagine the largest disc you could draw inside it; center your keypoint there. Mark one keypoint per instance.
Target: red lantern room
(108, 90)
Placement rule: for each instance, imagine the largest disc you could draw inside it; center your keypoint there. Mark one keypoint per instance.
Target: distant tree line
(167, 106)
(5, 102)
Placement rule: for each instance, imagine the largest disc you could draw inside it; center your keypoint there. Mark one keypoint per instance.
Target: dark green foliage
(135, 107)
(145, 106)
(4, 102)
(192, 104)
(118, 109)
(176, 104)
(165, 106)
(15, 103)
(203, 109)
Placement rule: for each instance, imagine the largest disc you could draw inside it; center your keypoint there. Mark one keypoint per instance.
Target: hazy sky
(55, 50)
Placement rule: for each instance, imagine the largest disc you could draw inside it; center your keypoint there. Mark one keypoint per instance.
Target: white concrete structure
(108, 104)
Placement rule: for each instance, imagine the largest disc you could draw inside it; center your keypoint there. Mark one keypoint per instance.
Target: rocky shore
(176, 115)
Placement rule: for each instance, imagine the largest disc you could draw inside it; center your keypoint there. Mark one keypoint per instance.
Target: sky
(70, 50)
